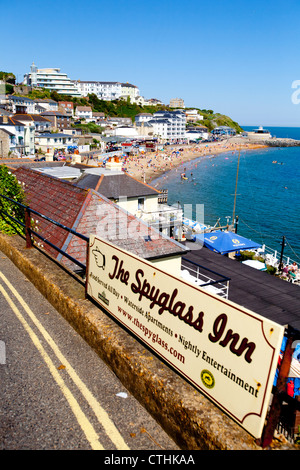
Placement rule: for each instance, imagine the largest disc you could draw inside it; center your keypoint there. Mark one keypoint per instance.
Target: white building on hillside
(50, 142)
(129, 91)
(176, 103)
(107, 91)
(197, 134)
(192, 115)
(20, 104)
(46, 104)
(125, 131)
(143, 117)
(103, 90)
(84, 112)
(52, 79)
(21, 135)
(166, 125)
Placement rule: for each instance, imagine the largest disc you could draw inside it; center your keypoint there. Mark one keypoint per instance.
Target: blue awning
(226, 242)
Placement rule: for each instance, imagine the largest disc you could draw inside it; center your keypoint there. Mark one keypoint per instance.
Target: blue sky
(237, 58)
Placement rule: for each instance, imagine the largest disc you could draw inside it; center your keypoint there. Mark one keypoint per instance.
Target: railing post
(28, 228)
(87, 267)
(275, 409)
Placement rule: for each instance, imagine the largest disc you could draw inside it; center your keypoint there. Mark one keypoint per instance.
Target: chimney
(5, 120)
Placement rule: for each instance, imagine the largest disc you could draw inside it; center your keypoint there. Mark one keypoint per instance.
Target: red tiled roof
(58, 200)
(122, 229)
(88, 212)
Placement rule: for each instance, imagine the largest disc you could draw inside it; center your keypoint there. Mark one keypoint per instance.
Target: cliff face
(212, 120)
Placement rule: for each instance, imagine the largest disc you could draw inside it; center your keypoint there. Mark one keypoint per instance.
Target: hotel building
(107, 91)
(51, 79)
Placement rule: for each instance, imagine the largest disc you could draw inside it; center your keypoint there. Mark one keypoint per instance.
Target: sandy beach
(151, 165)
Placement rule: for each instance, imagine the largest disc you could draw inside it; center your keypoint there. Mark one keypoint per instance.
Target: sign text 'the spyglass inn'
(229, 353)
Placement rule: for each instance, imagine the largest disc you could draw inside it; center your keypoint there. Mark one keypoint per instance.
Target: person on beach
(294, 267)
(293, 271)
(146, 166)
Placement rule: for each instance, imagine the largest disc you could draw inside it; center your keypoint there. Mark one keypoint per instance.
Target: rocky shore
(277, 142)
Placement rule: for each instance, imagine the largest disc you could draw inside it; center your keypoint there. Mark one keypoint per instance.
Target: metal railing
(30, 232)
(163, 217)
(273, 256)
(205, 278)
(276, 416)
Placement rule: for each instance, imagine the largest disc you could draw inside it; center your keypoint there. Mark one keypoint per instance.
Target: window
(141, 202)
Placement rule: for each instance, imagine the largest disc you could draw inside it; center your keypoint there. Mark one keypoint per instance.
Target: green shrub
(271, 270)
(10, 187)
(245, 255)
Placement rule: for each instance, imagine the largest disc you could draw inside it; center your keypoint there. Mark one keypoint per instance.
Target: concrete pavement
(56, 392)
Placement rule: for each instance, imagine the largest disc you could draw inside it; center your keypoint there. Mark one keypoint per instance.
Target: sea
(267, 187)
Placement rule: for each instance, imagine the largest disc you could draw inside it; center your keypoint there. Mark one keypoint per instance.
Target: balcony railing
(164, 216)
(204, 278)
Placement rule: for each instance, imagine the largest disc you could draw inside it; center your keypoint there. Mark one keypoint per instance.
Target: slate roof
(92, 81)
(30, 117)
(3, 112)
(128, 85)
(86, 211)
(30, 163)
(45, 100)
(10, 122)
(54, 113)
(114, 186)
(57, 134)
(17, 98)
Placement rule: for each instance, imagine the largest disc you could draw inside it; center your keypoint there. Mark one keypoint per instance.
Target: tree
(10, 187)
(8, 77)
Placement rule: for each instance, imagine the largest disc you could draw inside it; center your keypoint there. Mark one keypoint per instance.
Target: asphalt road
(56, 393)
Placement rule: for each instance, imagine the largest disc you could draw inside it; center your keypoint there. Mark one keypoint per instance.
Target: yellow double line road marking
(83, 421)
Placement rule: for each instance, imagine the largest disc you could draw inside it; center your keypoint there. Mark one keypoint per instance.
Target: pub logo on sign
(207, 378)
(102, 296)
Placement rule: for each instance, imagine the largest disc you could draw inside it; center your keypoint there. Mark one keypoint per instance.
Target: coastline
(153, 165)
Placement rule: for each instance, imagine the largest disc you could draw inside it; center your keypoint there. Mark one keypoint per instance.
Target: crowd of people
(147, 166)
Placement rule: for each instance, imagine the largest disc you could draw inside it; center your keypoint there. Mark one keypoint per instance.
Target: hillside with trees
(9, 80)
(124, 108)
(212, 120)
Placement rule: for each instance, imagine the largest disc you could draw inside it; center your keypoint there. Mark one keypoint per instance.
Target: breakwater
(280, 142)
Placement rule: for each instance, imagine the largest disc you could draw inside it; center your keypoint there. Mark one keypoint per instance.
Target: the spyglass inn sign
(227, 352)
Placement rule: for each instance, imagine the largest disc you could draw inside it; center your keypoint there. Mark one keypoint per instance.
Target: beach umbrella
(226, 242)
(254, 263)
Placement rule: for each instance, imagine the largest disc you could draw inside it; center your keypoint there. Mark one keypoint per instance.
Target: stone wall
(4, 144)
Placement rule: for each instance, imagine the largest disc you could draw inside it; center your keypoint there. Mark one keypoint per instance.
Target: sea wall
(279, 142)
